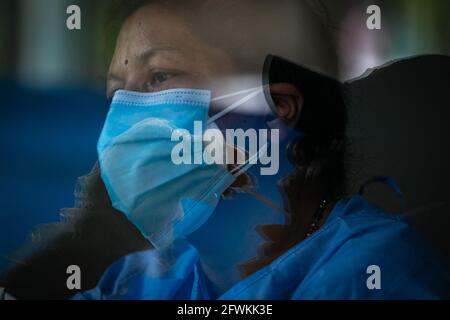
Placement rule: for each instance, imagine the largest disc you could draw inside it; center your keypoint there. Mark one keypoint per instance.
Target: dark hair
(93, 234)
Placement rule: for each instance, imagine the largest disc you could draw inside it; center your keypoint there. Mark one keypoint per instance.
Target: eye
(159, 78)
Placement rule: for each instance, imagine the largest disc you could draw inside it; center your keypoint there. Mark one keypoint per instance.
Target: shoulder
(369, 246)
(150, 274)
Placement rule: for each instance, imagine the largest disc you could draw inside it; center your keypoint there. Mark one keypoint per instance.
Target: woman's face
(156, 51)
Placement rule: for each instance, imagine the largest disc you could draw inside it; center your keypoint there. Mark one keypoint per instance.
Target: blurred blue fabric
(332, 264)
(47, 139)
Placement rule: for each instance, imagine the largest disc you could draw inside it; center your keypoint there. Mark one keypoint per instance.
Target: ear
(288, 102)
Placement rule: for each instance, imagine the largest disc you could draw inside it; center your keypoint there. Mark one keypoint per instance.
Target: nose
(135, 82)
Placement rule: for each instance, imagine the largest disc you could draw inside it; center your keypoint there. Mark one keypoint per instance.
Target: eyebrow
(145, 56)
(150, 53)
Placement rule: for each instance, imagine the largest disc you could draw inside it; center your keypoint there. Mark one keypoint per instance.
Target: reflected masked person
(270, 221)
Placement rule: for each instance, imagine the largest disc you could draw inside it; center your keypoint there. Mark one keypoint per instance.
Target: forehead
(155, 27)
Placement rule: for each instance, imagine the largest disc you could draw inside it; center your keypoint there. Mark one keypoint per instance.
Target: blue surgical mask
(163, 200)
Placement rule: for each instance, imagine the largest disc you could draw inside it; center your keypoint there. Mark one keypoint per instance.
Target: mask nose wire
(237, 104)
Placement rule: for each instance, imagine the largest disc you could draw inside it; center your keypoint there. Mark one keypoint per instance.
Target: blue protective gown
(331, 264)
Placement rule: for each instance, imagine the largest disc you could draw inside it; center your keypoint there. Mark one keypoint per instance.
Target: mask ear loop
(237, 104)
(237, 93)
(244, 167)
(253, 93)
(265, 201)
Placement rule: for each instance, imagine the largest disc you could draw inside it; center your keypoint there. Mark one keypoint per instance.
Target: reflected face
(156, 51)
